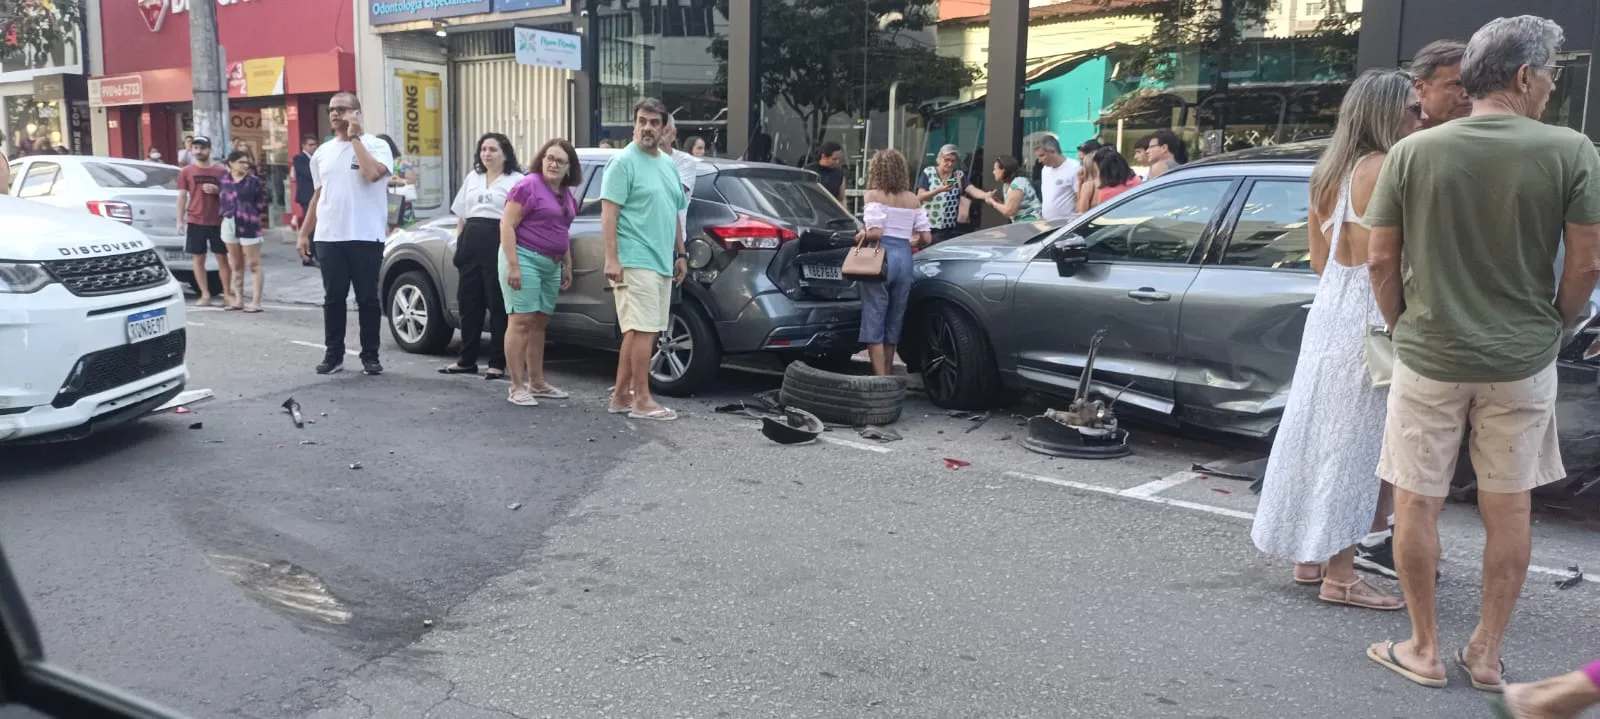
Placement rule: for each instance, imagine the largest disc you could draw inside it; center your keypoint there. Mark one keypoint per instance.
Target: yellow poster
(263, 77)
(422, 133)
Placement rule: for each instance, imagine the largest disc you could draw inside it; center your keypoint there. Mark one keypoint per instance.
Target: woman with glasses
(536, 264)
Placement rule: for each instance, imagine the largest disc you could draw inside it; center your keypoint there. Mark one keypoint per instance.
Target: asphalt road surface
(690, 569)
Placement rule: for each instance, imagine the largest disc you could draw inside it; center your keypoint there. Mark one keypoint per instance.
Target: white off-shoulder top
(898, 222)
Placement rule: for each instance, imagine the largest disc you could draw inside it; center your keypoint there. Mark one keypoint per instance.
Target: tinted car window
(1162, 225)
(124, 175)
(593, 174)
(789, 197)
(40, 181)
(1271, 231)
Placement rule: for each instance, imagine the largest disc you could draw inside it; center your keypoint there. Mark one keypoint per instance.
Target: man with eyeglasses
(1479, 208)
(349, 214)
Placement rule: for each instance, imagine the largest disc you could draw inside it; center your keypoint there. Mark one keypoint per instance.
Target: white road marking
(855, 445)
(192, 323)
(1130, 493)
(1151, 489)
(324, 348)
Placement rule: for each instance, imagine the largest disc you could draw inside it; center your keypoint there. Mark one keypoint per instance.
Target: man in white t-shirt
(1058, 181)
(349, 215)
(687, 165)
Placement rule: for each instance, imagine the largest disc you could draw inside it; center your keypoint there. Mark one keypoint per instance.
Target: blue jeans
(883, 304)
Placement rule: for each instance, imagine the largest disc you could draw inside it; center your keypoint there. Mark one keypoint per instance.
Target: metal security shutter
(416, 47)
(527, 104)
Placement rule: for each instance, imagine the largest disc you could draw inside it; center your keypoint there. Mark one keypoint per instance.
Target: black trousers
(346, 265)
(478, 260)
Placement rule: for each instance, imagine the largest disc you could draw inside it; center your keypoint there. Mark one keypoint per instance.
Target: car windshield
(122, 175)
(790, 197)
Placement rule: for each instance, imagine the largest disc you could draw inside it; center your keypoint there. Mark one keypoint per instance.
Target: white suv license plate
(145, 325)
(821, 272)
(176, 255)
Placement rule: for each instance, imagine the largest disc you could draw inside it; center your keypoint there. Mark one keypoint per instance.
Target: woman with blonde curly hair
(894, 220)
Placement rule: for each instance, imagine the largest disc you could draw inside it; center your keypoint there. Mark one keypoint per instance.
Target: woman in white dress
(1321, 494)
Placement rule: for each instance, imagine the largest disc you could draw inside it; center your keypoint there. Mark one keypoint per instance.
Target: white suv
(91, 324)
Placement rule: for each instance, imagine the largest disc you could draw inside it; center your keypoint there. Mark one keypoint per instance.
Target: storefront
(284, 59)
(450, 72)
(44, 100)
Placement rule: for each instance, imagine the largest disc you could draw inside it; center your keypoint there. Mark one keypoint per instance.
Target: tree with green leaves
(37, 26)
(823, 58)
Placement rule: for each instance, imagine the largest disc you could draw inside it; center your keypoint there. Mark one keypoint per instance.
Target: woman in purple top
(240, 203)
(536, 264)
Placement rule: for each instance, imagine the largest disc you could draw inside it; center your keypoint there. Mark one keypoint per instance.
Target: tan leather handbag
(865, 263)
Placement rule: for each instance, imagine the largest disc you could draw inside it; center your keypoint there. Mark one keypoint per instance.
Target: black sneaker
(1377, 558)
(371, 367)
(331, 365)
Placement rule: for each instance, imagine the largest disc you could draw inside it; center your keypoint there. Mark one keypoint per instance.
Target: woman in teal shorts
(536, 264)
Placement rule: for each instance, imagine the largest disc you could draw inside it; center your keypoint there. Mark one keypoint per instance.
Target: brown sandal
(1346, 595)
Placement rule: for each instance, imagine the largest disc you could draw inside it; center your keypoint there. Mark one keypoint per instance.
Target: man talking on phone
(349, 214)
(640, 197)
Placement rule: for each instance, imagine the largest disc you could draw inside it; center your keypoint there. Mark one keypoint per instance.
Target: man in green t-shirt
(1476, 210)
(640, 197)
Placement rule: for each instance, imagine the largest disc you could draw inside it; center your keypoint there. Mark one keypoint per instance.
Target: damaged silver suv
(765, 244)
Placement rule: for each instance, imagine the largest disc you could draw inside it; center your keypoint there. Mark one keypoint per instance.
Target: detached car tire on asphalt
(841, 398)
(425, 307)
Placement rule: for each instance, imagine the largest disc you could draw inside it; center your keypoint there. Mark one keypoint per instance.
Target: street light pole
(210, 83)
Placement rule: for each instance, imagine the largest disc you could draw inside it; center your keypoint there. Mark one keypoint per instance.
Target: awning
(255, 77)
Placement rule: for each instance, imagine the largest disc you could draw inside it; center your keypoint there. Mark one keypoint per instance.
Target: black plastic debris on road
(514, 506)
(197, 425)
(1572, 581)
(355, 465)
(293, 408)
(880, 434)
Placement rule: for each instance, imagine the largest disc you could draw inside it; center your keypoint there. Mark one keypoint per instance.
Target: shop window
(41, 181)
(1568, 102)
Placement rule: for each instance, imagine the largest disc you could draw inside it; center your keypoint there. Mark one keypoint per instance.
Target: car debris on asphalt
(880, 434)
(197, 425)
(1087, 429)
(514, 506)
(952, 463)
(795, 426)
(293, 408)
(355, 465)
(1572, 581)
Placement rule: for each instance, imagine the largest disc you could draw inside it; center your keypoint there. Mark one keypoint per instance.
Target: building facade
(44, 101)
(283, 60)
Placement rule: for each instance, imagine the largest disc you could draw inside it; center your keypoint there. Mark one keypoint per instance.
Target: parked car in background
(1203, 280)
(137, 193)
(765, 243)
(91, 324)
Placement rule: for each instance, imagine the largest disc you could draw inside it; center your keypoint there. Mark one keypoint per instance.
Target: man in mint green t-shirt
(640, 197)
(1476, 209)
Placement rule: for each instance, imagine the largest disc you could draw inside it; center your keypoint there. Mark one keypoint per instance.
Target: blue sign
(388, 12)
(509, 5)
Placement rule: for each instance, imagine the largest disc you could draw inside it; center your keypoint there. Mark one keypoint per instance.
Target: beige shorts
(1514, 444)
(644, 300)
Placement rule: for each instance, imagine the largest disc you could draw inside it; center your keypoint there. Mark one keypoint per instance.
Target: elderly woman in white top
(894, 218)
(480, 204)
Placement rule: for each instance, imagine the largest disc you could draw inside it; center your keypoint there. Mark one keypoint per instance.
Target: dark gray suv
(765, 244)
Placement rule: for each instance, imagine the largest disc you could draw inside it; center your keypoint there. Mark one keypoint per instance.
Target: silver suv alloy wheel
(410, 313)
(674, 351)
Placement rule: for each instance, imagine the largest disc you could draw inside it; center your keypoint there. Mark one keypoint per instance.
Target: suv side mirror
(1071, 252)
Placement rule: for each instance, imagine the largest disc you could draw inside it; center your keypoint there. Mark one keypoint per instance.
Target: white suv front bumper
(72, 364)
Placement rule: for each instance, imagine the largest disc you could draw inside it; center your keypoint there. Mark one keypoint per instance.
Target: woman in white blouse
(480, 205)
(895, 220)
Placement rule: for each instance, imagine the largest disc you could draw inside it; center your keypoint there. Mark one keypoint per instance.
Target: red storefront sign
(119, 90)
(308, 44)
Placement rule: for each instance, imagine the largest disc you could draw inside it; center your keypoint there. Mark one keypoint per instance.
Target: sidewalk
(288, 281)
